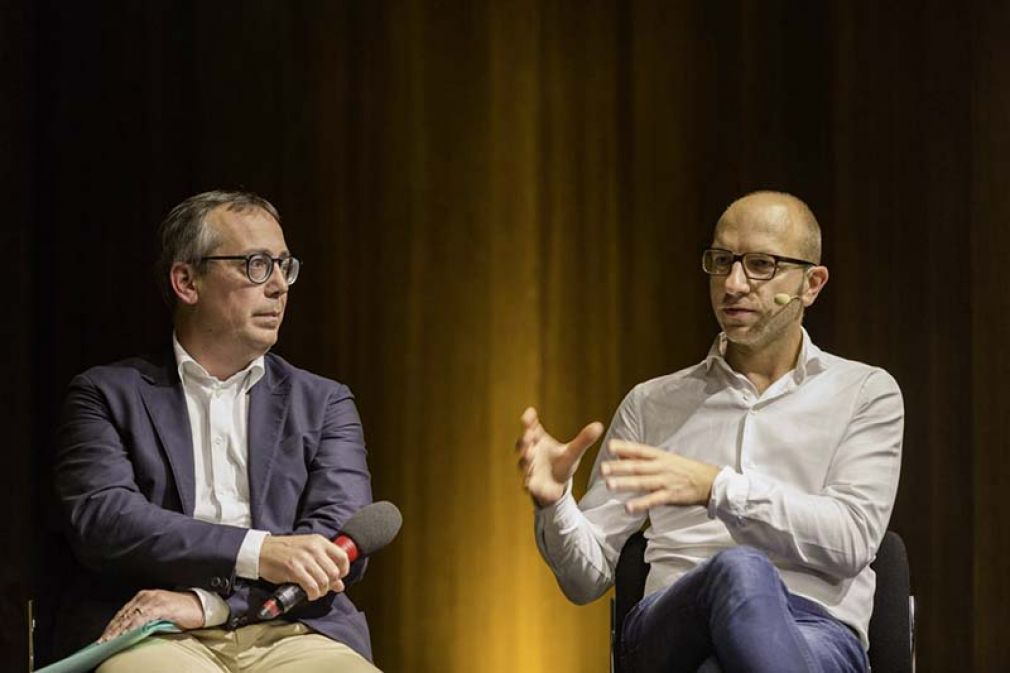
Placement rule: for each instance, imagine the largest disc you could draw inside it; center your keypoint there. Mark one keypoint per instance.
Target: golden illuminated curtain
(489, 263)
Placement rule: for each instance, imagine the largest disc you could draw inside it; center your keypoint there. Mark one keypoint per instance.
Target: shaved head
(783, 212)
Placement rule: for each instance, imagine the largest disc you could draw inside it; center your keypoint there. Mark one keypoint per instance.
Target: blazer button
(215, 583)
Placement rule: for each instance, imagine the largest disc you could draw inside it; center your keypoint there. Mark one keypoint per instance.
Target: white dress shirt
(810, 474)
(218, 419)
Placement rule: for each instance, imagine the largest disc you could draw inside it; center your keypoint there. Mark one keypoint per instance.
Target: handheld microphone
(369, 530)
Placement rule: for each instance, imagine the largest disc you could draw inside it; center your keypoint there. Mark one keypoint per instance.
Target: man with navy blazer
(195, 482)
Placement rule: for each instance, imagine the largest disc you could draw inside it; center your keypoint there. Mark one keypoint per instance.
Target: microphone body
(287, 596)
(370, 529)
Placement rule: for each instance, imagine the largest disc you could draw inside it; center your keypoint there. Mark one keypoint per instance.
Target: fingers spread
(630, 466)
(587, 437)
(646, 502)
(526, 441)
(625, 449)
(647, 483)
(589, 434)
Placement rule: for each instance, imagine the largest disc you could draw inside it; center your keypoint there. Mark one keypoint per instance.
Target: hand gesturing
(545, 463)
(664, 477)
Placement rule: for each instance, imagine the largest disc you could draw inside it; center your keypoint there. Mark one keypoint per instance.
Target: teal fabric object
(91, 656)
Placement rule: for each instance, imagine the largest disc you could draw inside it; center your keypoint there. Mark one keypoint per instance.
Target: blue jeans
(733, 613)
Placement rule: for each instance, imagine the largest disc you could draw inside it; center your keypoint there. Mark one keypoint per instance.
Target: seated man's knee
(742, 566)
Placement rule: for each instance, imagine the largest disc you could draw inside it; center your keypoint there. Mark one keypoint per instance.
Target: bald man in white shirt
(766, 475)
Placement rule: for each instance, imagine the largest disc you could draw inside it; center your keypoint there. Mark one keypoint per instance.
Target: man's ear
(816, 279)
(184, 283)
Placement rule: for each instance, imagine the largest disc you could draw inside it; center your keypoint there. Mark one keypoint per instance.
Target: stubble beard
(766, 330)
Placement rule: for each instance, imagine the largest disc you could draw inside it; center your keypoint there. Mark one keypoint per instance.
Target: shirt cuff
(729, 496)
(215, 609)
(561, 515)
(247, 565)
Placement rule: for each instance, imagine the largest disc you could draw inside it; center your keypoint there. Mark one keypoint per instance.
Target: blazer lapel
(166, 406)
(268, 409)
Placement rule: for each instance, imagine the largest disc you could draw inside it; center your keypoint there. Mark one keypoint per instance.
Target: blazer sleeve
(113, 528)
(337, 485)
(338, 482)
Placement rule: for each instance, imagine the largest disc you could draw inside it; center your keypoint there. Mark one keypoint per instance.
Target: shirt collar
(810, 361)
(190, 369)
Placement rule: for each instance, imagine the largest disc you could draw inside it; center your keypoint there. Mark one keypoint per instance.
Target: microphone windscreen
(782, 299)
(373, 526)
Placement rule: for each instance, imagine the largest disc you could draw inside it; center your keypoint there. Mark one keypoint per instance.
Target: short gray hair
(184, 235)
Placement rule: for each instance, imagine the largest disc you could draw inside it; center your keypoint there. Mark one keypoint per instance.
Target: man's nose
(737, 281)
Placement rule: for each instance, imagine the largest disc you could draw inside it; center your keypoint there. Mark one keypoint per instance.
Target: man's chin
(741, 335)
(263, 339)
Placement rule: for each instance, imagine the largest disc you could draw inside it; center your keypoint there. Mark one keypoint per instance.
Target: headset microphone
(782, 298)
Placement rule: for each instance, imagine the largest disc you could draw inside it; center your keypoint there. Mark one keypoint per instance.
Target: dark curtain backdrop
(501, 204)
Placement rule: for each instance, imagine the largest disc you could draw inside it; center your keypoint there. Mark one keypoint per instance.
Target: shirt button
(217, 441)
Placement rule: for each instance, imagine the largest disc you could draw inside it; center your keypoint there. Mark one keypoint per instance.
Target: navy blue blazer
(124, 475)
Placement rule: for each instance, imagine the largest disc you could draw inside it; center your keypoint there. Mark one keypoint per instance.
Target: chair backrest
(891, 624)
(629, 585)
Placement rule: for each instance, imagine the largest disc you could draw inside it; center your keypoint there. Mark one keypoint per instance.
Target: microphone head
(373, 526)
(782, 298)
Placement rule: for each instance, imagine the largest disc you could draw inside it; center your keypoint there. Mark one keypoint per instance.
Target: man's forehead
(252, 227)
(762, 221)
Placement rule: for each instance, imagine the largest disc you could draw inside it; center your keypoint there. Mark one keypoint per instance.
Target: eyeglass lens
(756, 265)
(261, 266)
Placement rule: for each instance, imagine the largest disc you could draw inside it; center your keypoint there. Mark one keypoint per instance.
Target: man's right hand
(545, 463)
(310, 561)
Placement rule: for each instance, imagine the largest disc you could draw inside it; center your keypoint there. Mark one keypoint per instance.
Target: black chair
(892, 624)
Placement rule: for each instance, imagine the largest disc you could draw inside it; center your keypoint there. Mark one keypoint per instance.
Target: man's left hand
(666, 478)
(181, 607)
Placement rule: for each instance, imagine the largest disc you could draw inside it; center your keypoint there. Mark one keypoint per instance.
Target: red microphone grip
(347, 544)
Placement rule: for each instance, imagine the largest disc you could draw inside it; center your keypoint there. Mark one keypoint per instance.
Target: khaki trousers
(278, 647)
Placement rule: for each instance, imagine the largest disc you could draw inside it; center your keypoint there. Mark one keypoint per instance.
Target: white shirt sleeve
(836, 531)
(247, 565)
(581, 543)
(215, 609)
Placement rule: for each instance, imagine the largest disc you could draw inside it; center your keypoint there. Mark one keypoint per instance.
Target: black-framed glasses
(259, 266)
(756, 265)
